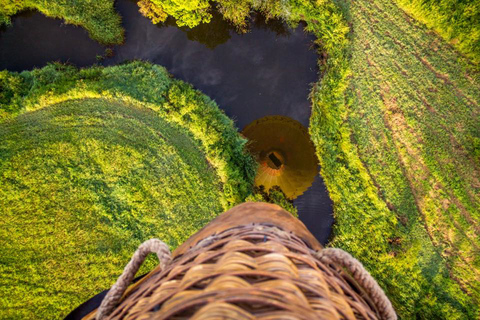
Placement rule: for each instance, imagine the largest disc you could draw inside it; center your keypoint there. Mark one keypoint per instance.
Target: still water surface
(268, 71)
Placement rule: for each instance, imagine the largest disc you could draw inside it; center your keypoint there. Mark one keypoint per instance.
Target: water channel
(267, 71)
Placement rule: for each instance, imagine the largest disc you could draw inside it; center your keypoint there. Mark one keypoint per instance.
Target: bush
(11, 89)
(274, 195)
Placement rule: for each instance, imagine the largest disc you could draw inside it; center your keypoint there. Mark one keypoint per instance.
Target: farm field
(412, 106)
(455, 21)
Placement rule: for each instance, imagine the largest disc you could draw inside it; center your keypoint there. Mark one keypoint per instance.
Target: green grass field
(458, 22)
(403, 167)
(83, 183)
(88, 172)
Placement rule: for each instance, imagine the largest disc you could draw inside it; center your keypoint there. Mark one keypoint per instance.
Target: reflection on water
(252, 75)
(285, 154)
(210, 34)
(315, 210)
(218, 30)
(267, 71)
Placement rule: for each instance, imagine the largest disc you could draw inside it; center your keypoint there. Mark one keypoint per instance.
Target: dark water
(267, 71)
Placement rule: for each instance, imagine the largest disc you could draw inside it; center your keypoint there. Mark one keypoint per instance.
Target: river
(267, 71)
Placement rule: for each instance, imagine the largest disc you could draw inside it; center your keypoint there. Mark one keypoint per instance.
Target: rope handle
(362, 276)
(327, 256)
(118, 289)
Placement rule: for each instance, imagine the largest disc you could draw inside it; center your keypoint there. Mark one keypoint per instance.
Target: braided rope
(115, 293)
(362, 276)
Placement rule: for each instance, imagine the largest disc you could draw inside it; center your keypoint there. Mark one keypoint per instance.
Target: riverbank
(99, 18)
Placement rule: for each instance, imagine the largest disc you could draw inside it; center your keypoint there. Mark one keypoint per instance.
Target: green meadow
(412, 122)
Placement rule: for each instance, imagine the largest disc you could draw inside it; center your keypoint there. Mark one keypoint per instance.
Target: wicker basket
(255, 261)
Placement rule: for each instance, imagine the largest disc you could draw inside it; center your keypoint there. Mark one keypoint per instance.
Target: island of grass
(92, 163)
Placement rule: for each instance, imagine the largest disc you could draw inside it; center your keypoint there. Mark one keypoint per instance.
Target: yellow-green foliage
(273, 195)
(186, 13)
(456, 21)
(98, 17)
(95, 161)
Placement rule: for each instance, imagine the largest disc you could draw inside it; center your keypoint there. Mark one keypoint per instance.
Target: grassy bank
(152, 86)
(99, 18)
(92, 163)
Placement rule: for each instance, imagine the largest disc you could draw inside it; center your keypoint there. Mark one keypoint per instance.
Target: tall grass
(458, 22)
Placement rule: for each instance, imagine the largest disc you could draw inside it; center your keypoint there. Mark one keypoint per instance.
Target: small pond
(268, 71)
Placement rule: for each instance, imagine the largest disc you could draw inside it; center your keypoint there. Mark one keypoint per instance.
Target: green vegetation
(395, 122)
(456, 21)
(151, 85)
(413, 112)
(95, 161)
(186, 13)
(99, 17)
(273, 195)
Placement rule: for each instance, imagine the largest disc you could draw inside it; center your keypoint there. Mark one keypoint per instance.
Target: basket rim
(248, 213)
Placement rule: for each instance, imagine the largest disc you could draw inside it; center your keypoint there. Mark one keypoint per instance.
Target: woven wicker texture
(249, 272)
(255, 261)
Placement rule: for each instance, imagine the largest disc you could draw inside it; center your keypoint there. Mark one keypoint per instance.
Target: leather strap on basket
(118, 289)
(362, 276)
